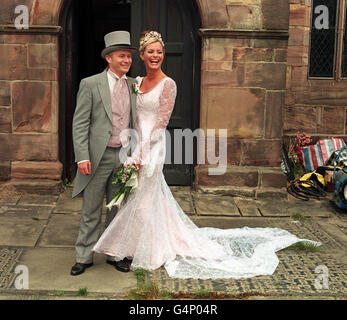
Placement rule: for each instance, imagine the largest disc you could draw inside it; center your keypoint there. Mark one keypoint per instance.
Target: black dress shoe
(122, 266)
(112, 263)
(79, 268)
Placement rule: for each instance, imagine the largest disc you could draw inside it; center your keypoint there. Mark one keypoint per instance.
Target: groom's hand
(85, 168)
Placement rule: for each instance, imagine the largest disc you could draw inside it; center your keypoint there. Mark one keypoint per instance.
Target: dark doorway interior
(85, 22)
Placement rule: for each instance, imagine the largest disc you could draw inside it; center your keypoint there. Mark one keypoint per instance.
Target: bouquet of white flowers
(127, 176)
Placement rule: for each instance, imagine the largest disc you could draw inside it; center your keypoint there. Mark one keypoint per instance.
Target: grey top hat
(117, 40)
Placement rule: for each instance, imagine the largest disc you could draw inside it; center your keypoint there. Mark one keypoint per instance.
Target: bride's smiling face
(153, 55)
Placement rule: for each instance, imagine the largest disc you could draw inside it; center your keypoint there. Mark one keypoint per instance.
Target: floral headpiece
(151, 37)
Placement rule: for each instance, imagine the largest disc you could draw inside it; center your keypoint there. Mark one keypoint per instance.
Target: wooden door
(177, 21)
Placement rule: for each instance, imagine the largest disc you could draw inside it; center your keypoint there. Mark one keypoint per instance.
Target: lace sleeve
(166, 104)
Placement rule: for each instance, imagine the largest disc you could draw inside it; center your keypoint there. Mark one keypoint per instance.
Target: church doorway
(85, 22)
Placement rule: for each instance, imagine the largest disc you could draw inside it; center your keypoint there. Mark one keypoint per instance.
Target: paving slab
(9, 200)
(22, 232)
(280, 208)
(33, 212)
(49, 269)
(248, 208)
(68, 205)
(42, 200)
(186, 203)
(186, 190)
(215, 206)
(61, 231)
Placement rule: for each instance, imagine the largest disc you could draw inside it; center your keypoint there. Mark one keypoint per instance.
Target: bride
(151, 230)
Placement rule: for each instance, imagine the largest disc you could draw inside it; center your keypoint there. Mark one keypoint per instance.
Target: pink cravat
(120, 101)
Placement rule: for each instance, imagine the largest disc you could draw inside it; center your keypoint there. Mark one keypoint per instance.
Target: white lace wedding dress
(152, 229)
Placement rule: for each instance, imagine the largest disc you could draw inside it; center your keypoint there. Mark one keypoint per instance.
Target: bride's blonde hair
(147, 37)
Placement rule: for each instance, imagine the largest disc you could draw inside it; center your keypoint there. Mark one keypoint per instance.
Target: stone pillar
(243, 85)
(29, 157)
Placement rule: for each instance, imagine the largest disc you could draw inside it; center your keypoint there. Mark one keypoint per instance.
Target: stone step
(36, 186)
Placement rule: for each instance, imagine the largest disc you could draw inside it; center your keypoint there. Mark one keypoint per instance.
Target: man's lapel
(105, 94)
(132, 102)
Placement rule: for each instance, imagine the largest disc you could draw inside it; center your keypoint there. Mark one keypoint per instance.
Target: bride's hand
(131, 160)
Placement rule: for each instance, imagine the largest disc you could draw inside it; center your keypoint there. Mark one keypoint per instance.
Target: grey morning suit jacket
(92, 123)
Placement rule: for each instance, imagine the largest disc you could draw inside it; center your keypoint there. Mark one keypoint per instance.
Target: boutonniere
(136, 88)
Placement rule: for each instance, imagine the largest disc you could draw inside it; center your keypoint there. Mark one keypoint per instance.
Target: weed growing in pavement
(304, 246)
(299, 217)
(149, 291)
(140, 274)
(82, 292)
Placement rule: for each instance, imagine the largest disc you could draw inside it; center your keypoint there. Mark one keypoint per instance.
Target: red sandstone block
(37, 186)
(46, 12)
(273, 179)
(253, 54)
(266, 75)
(32, 106)
(299, 15)
(214, 13)
(234, 176)
(298, 56)
(27, 38)
(300, 118)
(275, 14)
(242, 110)
(5, 120)
(28, 147)
(244, 17)
(331, 120)
(37, 170)
(5, 170)
(299, 36)
(280, 55)
(261, 153)
(223, 78)
(233, 150)
(273, 114)
(42, 56)
(13, 62)
(5, 93)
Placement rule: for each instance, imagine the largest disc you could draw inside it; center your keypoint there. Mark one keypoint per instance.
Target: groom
(106, 105)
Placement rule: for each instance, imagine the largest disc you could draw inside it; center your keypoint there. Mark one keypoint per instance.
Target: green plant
(140, 274)
(149, 291)
(58, 293)
(82, 292)
(299, 217)
(304, 246)
(201, 293)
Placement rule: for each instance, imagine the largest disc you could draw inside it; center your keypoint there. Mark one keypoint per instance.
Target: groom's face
(119, 61)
